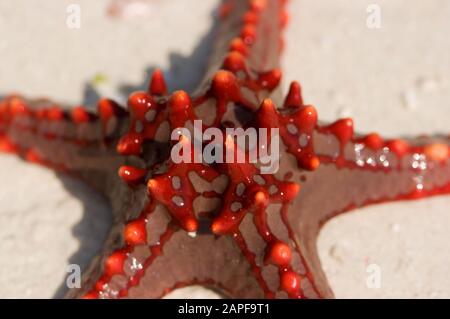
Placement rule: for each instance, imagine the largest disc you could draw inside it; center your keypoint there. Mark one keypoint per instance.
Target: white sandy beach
(394, 80)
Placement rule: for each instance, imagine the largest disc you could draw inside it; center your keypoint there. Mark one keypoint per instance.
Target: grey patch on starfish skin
(204, 204)
(235, 206)
(220, 183)
(297, 263)
(259, 179)
(136, 260)
(292, 128)
(281, 295)
(176, 182)
(178, 200)
(140, 200)
(163, 132)
(303, 140)
(139, 126)
(275, 222)
(111, 126)
(206, 112)
(308, 289)
(200, 184)
(150, 115)
(271, 276)
(255, 243)
(273, 189)
(157, 223)
(113, 287)
(240, 188)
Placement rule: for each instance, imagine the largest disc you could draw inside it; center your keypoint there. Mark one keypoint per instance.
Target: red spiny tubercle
(158, 84)
(80, 115)
(135, 232)
(132, 175)
(279, 253)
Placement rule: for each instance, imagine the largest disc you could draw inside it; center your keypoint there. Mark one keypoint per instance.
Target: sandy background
(393, 80)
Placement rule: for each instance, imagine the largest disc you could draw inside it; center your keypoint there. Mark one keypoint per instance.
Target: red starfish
(221, 225)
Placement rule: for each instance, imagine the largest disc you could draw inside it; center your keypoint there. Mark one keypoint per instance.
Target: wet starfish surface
(221, 225)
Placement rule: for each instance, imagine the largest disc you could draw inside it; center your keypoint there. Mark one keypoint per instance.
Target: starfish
(221, 225)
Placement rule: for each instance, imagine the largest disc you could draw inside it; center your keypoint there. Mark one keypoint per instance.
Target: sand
(392, 80)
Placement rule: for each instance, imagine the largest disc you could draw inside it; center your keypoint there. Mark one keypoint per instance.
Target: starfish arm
(378, 170)
(357, 171)
(76, 142)
(248, 41)
(149, 264)
(338, 171)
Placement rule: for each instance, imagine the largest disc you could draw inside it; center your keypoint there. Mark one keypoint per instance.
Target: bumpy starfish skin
(224, 226)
